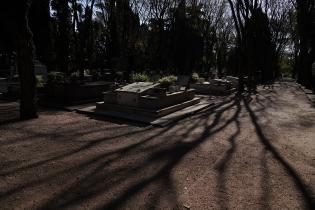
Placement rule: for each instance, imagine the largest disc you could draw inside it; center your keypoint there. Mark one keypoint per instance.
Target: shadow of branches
(306, 193)
(113, 170)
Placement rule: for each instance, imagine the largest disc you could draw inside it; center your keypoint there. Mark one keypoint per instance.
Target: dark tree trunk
(240, 70)
(39, 22)
(113, 39)
(63, 14)
(304, 67)
(25, 62)
(305, 12)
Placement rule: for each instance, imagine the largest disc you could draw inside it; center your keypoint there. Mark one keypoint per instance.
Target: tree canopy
(245, 38)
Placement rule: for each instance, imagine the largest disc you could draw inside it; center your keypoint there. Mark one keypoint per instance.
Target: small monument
(148, 102)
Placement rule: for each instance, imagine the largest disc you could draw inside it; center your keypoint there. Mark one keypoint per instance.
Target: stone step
(116, 114)
(170, 114)
(145, 112)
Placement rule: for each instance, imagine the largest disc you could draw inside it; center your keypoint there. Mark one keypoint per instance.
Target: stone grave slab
(130, 94)
(144, 102)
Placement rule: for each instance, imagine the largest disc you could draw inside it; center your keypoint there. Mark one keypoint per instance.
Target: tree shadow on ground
(222, 165)
(127, 170)
(119, 121)
(306, 193)
(167, 158)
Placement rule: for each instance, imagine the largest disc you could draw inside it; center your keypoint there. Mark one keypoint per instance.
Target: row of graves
(146, 102)
(149, 102)
(53, 88)
(9, 80)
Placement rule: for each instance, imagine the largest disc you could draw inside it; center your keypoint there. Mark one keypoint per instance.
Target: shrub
(194, 77)
(286, 66)
(55, 77)
(141, 78)
(166, 82)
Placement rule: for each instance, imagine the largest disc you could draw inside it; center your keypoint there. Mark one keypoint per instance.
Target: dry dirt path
(249, 152)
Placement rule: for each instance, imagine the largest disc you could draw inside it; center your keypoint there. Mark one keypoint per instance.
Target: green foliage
(56, 77)
(166, 82)
(286, 66)
(39, 81)
(194, 77)
(141, 77)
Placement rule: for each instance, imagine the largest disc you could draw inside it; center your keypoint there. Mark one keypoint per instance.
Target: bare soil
(248, 152)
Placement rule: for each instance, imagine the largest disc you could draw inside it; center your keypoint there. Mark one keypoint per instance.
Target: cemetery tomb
(147, 102)
(148, 99)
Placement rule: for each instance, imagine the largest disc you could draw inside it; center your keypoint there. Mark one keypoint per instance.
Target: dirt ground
(248, 152)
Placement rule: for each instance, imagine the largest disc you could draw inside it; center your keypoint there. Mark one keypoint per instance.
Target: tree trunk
(39, 23)
(305, 68)
(304, 21)
(63, 15)
(25, 63)
(113, 47)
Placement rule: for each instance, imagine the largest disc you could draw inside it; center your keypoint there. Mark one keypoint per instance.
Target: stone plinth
(147, 100)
